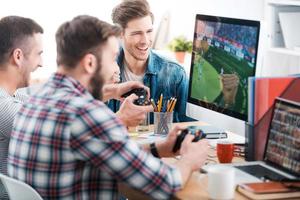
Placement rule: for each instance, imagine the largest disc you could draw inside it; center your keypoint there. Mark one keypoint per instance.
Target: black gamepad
(142, 96)
(194, 130)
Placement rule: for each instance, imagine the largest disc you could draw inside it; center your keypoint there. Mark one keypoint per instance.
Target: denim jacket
(162, 76)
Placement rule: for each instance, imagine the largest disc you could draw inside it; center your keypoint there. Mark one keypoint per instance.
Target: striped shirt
(9, 106)
(67, 145)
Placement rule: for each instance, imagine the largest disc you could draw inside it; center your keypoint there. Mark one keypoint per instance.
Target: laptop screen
(283, 144)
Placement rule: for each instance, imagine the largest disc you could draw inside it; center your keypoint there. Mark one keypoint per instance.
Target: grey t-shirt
(9, 106)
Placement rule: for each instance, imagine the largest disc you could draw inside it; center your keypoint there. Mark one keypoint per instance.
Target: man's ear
(17, 56)
(89, 62)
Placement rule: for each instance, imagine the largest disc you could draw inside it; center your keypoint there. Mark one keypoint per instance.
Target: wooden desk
(196, 187)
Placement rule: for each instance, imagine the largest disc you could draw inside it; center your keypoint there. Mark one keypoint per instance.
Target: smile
(140, 49)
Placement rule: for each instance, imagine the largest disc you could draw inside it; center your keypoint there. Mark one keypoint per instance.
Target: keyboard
(261, 172)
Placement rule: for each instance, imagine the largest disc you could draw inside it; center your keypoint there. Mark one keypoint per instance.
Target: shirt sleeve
(22, 94)
(100, 138)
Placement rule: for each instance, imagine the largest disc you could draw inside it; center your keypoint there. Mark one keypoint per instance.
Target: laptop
(281, 160)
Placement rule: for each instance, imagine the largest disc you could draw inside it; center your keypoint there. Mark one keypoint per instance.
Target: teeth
(142, 49)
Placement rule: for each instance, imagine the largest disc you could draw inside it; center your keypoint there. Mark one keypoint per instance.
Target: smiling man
(138, 62)
(20, 54)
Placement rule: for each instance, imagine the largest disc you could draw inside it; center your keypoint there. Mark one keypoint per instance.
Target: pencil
(153, 104)
(173, 105)
(160, 102)
(169, 104)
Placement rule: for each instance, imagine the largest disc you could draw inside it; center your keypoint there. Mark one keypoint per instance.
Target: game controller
(142, 96)
(194, 130)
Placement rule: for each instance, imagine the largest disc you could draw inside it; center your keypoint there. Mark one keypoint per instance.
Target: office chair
(17, 190)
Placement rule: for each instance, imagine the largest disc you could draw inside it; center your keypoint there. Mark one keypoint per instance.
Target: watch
(153, 150)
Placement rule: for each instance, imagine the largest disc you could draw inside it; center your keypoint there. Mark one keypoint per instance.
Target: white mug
(221, 183)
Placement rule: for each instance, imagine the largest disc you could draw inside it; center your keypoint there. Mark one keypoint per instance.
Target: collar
(150, 68)
(61, 80)
(4, 93)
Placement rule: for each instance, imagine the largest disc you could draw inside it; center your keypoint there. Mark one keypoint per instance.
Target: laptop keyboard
(261, 172)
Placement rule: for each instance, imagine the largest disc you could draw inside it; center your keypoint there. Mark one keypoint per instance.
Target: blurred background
(173, 18)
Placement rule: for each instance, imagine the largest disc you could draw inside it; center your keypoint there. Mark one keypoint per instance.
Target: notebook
(282, 151)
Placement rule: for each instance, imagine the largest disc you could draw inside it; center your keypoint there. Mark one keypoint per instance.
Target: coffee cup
(225, 151)
(221, 183)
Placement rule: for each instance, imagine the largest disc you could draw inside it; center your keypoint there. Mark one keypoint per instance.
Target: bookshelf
(279, 60)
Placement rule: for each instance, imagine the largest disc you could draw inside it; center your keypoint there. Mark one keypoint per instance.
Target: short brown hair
(14, 31)
(129, 10)
(80, 36)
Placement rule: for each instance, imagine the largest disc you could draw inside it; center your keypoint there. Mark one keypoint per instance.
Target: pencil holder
(162, 122)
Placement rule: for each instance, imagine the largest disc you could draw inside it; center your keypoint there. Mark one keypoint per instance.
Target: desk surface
(196, 187)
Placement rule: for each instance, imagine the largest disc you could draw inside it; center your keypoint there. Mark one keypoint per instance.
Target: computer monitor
(224, 56)
(282, 148)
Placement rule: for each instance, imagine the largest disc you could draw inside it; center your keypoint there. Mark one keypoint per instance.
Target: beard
(96, 84)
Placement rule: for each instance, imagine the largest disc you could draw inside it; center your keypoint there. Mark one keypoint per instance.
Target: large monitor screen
(224, 56)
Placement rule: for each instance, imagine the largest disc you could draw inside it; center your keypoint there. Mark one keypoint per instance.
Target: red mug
(225, 151)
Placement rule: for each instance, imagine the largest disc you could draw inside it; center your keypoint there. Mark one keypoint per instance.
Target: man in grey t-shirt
(20, 54)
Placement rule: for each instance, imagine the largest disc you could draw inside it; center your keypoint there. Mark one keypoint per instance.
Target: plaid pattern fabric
(67, 145)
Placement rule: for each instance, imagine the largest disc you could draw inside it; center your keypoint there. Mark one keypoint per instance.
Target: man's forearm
(185, 170)
(183, 165)
(161, 149)
(109, 92)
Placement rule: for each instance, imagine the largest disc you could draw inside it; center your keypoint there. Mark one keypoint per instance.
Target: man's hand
(116, 77)
(194, 153)
(230, 84)
(193, 156)
(115, 91)
(165, 148)
(131, 114)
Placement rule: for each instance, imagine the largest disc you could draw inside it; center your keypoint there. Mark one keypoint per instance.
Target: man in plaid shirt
(68, 145)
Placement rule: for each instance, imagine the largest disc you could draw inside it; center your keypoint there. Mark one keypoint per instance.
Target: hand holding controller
(142, 96)
(194, 130)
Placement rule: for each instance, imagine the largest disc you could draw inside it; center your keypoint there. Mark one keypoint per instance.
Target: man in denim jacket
(139, 63)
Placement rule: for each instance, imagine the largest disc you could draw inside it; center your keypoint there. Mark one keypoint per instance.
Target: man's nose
(145, 38)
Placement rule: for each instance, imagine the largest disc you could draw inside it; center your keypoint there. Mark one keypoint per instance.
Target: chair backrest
(19, 190)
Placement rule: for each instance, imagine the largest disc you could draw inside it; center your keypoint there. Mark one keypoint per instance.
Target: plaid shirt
(67, 145)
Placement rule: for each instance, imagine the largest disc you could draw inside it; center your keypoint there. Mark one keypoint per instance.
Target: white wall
(183, 11)
(50, 15)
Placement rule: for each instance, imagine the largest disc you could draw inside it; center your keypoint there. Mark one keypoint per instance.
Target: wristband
(153, 150)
